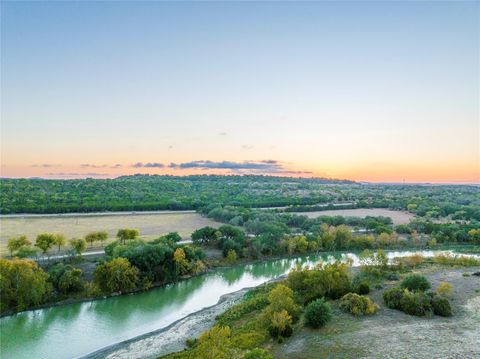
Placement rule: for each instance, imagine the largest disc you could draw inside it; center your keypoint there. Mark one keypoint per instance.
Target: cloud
(71, 174)
(148, 165)
(88, 165)
(222, 134)
(266, 165)
(247, 147)
(118, 165)
(47, 165)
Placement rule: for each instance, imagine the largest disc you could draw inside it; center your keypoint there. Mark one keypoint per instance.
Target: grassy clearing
(398, 217)
(150, 225)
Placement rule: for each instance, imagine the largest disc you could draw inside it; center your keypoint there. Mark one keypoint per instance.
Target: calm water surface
(74, 330)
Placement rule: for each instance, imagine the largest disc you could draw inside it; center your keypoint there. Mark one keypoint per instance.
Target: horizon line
(458, 183)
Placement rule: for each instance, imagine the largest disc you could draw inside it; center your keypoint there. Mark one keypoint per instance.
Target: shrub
(214, 343)
(281, 298)
(393, 297)
(416, 303)
(415, 282)
(257, 353)
(191, 342)
(441, 306)
(357, 304)
(362, 288)
(231, 256)
(444, 289)
(392, 277)
(317, 313)
(27, 252)
(326, 280)
(248, 340)
(414, 260)
(280, 325)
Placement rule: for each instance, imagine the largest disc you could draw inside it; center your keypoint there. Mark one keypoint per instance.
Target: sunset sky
(370, 91)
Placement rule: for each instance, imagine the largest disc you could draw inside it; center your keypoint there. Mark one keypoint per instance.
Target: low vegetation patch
(453, 260)
(357, 304)
(412, 298)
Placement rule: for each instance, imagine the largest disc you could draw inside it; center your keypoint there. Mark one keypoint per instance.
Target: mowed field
(151, 225)
(398, 217)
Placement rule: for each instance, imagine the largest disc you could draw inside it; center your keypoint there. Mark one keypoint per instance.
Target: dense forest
(153, 192)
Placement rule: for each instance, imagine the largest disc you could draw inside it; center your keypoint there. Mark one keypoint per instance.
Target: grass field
(150, 225)
(398, 217)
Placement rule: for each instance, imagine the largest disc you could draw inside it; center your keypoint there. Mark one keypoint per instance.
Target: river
(75, 330)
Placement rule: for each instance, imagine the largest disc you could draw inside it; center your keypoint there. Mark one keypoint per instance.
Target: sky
(377, 91)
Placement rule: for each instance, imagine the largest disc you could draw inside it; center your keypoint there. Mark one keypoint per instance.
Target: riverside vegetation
(257, 234)
(311, 297)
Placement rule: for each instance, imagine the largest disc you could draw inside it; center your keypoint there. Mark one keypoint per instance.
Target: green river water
(74, 330)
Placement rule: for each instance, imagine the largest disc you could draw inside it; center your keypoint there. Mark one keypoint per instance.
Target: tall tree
(14, 244)
(45, 241)
(78, 245)
(59, 240)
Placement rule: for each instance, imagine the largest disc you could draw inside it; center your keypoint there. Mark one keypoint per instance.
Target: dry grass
(150, 225)
(398, 217)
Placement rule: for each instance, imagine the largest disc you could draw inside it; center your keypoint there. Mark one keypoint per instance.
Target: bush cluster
(416, 303)
(357, 304)
(412, 299)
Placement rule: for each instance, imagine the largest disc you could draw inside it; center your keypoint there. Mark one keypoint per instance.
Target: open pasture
(398, 217)
(151, 225)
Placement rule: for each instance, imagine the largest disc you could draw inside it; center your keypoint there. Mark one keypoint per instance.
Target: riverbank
(173, 337)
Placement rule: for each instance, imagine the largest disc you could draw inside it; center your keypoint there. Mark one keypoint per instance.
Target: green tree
(59, 240)
(281, 298)
(127, 234)
(14, 244)
(205, 235)
(45, 241)
(78, 245)
(117, 275)
(22, 284)
(181, 263)
(96, 237)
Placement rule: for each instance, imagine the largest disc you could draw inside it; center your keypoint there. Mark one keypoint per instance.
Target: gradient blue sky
(378, 91)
